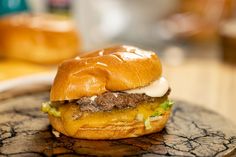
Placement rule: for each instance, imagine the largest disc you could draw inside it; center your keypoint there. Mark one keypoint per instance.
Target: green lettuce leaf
(162, 108)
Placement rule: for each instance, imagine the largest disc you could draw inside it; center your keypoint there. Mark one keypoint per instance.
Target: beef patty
(110, 100)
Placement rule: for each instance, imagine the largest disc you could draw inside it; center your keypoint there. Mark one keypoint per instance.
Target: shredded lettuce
(147, 123)
(162, 108)
(47, 108)
(167, 104)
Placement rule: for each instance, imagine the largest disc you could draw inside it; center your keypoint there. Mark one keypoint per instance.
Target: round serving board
(191, 131)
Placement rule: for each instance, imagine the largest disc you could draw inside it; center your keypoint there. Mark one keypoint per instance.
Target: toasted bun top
(111, 69)
(43, 22)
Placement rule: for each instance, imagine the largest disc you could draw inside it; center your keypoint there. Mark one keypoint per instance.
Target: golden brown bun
(38, 38)
(112, 69)
(116, 130)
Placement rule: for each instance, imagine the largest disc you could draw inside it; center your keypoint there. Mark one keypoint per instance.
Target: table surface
(204, 81)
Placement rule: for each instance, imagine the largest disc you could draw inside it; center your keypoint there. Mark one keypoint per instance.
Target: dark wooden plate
(191, 131)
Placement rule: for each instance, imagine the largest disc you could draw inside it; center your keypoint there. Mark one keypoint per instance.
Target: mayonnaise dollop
(158, 88)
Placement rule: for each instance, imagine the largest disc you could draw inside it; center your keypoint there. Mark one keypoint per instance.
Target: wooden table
(205, 82)
(191, 131)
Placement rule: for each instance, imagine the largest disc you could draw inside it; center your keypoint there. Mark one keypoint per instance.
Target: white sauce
(115, 94)
(157, 88)
(93, 98)
(56, 133)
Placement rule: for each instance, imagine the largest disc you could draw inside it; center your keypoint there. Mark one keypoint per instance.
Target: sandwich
(112, 93)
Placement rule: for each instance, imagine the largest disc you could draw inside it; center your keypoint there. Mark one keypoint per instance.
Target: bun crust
(111, 69)
(117, 130)
(38, 38)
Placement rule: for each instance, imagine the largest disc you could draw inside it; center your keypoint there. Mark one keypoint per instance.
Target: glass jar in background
(99, 21)
(107, 22)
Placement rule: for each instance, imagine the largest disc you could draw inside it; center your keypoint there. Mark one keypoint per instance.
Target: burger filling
(110, 100)
(105, 102)
(145, 104)
(109, 108)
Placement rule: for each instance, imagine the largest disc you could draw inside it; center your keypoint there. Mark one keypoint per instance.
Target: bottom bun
(116, 130)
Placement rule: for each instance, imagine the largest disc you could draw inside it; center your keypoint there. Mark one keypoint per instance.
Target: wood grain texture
(191, 131)
(205, 82)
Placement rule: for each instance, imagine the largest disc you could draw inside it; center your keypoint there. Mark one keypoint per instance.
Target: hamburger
(113, 93)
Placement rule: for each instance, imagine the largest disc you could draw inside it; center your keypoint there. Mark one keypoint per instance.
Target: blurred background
(196, 40)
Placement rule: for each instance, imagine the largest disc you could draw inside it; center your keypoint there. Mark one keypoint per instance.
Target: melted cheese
(101, 119)
(157, 88)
